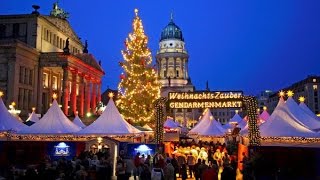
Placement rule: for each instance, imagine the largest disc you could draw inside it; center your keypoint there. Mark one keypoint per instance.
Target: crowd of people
(87, 166)
(205, 161)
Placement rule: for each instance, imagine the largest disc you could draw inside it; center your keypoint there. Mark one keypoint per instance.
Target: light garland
(159, 117)
(254, 133)
(139, 87)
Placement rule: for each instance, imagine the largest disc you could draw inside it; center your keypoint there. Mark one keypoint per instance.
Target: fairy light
(254, 133)
(159, 117)
(139, 87)
(1, 94)
(54, 96)
(264, 108)
(33, 109)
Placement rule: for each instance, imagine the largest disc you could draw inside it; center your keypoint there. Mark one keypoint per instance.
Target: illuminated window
(77, 89)
(315, 87)
(45, 80)
(314, 80)
(54, 82)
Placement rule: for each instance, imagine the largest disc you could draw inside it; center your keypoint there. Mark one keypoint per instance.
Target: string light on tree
(139, 87)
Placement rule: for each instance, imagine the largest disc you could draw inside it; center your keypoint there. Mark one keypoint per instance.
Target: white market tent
(146, 126)
(214, 128)
(33, 117)
(77, 121)
(307, 110)
(204, 120)
(110, 122)
(301, 116)
(169, 123)
(53, 122)
(264, 116)
(7, 121)
(282, 123)
(208, 126)
(236, 119)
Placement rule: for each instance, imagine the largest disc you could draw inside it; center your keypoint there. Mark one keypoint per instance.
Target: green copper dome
(171, 31)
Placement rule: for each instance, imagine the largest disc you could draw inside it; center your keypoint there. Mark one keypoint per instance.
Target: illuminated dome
(171, 31)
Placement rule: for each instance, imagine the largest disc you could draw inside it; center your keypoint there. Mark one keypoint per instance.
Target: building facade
(41, 55)
(172, 64)
(263, 98)
(308, 88)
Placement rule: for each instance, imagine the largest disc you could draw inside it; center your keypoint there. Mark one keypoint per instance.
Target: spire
(85, 49)
(207, 86)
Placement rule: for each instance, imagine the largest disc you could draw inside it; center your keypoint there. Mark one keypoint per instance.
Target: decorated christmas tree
(139, 87)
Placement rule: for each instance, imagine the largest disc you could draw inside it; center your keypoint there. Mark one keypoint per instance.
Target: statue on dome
(58, 12)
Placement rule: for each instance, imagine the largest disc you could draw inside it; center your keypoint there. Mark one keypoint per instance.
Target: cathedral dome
(171, 31)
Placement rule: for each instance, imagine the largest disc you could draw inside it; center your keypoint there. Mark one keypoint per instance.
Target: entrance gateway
(208, 99)
(202, 100)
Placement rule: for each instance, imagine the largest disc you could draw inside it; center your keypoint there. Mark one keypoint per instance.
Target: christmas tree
(139, 87)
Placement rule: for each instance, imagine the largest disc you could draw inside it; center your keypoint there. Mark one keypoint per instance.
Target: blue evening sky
(235, 45)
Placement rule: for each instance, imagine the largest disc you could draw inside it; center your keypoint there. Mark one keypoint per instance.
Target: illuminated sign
(201, 100)
(62, 149)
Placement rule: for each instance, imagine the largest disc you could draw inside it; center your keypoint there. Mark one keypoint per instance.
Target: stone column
(87, 100)
(94, 96)
(73, 102)
(81, 92)
(174, 67)
(65, 88)
(167, 67)
(99, 92)
(40, 88)
(187, 69)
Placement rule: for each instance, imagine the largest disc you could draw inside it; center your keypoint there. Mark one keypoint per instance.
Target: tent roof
(33, 117)
(53, 122)
(264, 115)
(77, 121)
(214, 128)
(301, 116)
(110, 122)
(8, 121)
(146, 126)
(282, 123)
(236, 119)
(169, 123)
(203, 122)
(307, 110)
(208, 126)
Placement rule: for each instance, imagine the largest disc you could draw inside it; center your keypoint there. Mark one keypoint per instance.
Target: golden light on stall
(33, 109)
(290, 93)
(281, 93)
(301, 99)
(111, 95)
(88, 114)
(1, 94)
(54, 96)
(264, 108)
(99, 139)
